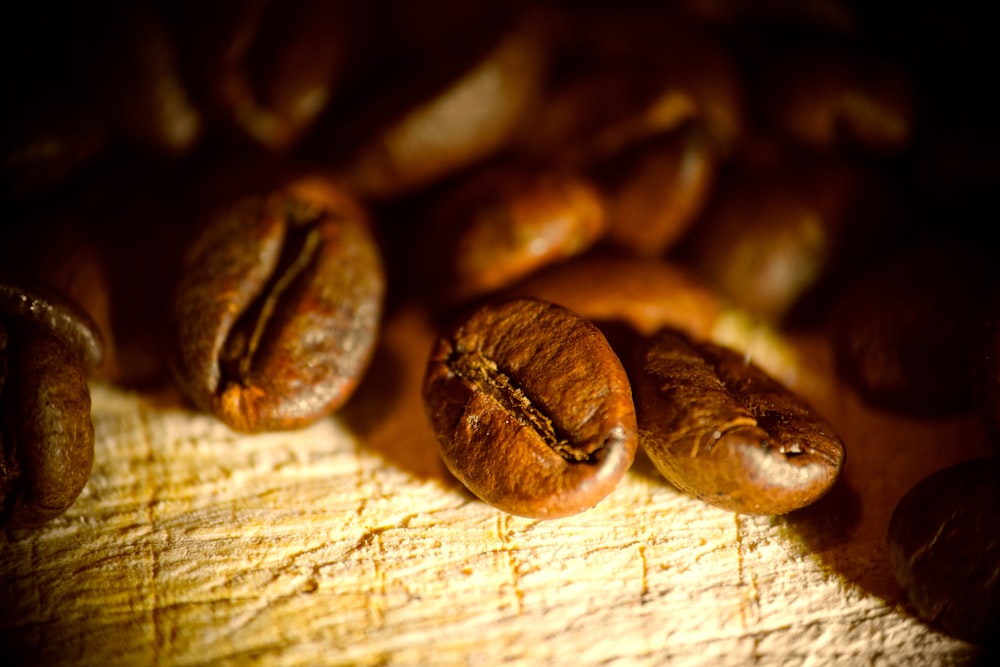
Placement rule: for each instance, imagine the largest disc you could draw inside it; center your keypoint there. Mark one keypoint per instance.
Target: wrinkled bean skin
(719, 428)
(532, 409)
(944, 544)
(277, 307)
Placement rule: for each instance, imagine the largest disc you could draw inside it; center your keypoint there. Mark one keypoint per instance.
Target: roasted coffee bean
(944, 543)
(769, 238)
(642, 293)
(901, 332)
(502, 224)
(277, 306)
(630, 297)
(46, 434)
(532, 409)
(657, 191)
(42, 308)
(265, 69)
(472, 118)
(693, 73)
(721, 429)
(830, 100)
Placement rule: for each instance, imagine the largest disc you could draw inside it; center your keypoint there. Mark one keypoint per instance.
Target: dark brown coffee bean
(468, 120)
(721, 429)
(769, 238)
(900, 330)
(277, 306)
(830, 100)
(502, 224)
(532, 409)
(656, 191)
(266, 69)
(693, 75)
(46, 434)
(39, 307)
(944, 542)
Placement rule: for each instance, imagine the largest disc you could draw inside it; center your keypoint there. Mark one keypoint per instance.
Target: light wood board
(347, 543)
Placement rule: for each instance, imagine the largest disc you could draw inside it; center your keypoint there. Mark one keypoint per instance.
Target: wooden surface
(347, 543)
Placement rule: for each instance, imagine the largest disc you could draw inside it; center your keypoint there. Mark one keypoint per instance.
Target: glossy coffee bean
(643, 294)
(471, 118)
(657, 191)
(724, 431)
(46, 434)
(944, 542)
(532, 409)
(277, 306)
(501, 224)
(769, 238)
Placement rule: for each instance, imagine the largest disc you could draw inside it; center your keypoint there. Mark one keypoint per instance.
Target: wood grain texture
(347, 543)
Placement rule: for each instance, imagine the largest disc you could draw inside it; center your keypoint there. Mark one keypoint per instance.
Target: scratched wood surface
(347, 543)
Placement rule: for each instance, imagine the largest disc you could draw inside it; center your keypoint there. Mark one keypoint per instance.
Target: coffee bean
(40, 307)
(277, 306)
(468, 120)
(657, 190)
(46, 434)
(944, 543)
(721, 429)
(502, 224)
(769, 238)
(830, 100)
(532, 409)
(901, 333)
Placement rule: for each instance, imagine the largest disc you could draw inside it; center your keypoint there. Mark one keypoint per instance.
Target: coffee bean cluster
(591, 201)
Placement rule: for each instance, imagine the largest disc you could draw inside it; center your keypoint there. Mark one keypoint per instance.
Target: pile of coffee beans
(593, 201)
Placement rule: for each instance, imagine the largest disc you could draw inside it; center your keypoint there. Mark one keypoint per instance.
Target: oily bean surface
(721, 429)
(44, 308)
(277, 307)
(46, 434)
(532, 409)
(502, 224)
(944, 542)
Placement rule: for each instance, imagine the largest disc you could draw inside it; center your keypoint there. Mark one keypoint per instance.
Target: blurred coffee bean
(265, 69)
(147, 97)
(656, 191)
(901, 329)
(834, 99)
(468, 119)
(532, 409)
(502, 223)
(46, 435)
(769, 238)
(278, 305)
(721, 429)
(681, 72)
(944, 543)
(644, 294)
